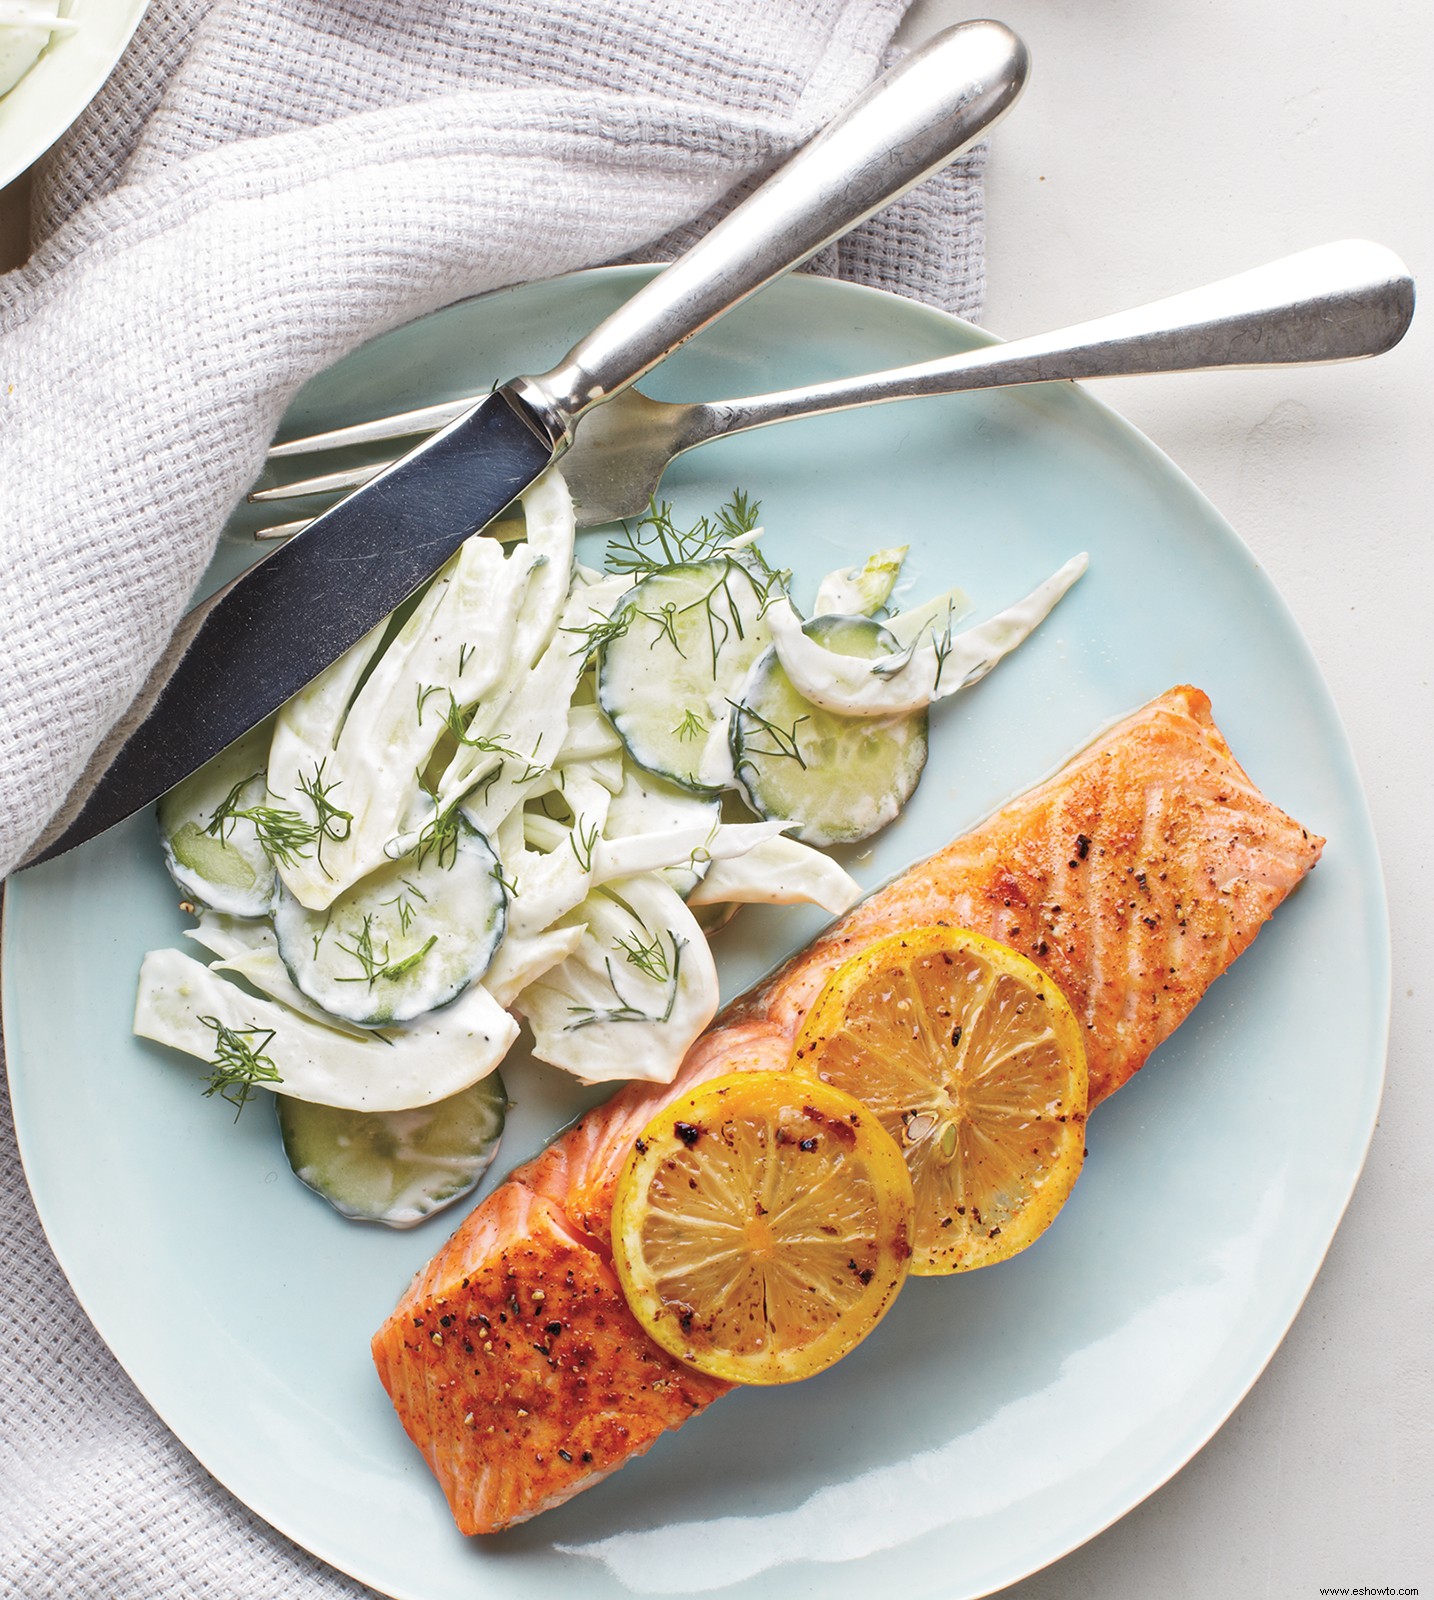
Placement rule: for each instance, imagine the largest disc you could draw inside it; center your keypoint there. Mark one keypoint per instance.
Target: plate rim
(1132, 438)
(38, 133)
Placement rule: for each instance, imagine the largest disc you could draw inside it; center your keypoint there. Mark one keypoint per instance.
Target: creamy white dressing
(459, 648)
(415, 1065)
(635, 994)
(532, 726)
(886, 686)
(522, 960)
(860, 591)
(778, 872)
(599, 859)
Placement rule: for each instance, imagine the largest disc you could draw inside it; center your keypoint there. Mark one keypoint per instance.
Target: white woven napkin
(262, 185)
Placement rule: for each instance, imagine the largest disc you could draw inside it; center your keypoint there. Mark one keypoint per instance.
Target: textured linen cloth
(259, 188)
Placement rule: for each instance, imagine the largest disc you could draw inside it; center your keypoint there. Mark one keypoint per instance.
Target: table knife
(243, 652)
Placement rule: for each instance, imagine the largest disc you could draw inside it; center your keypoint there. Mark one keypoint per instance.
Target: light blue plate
(996, 1420)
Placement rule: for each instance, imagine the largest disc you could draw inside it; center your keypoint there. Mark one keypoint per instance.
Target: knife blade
(246, 650)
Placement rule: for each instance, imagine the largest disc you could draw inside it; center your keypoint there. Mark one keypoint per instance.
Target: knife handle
(911, 122)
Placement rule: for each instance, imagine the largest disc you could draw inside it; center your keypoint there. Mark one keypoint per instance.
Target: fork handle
(914, 120)
(1336, 302)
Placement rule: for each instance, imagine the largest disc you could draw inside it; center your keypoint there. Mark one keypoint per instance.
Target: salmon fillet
(1134, 877)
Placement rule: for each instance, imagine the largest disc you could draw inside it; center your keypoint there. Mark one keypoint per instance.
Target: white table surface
(1158, 146)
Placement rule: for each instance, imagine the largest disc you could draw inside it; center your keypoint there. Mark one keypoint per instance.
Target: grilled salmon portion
(519, 1371)
(1134, 877)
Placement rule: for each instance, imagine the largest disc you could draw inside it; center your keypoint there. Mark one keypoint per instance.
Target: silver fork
(1336, 302)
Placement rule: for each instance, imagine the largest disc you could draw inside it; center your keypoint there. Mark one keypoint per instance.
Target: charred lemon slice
(972, 1060)
(761, 1226)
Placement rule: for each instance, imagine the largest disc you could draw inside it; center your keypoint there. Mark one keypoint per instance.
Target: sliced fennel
(680, 854)
(646, 805)
(860, 591)
(778, 872)
(535, 718)
(635, 994)
(524, 958)
(590, 735)
(582, 723)
(649, 826)
(921, 673)
(184, 1004)
(250, 951)
(357, 742)
(933, 618)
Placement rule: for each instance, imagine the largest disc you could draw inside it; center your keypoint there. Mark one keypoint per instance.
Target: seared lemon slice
(761, 1226)
(973, 1061)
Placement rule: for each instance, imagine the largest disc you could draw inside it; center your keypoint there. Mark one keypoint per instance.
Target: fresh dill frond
(721, 628)
(283, 834)
(784, 746)
(584, 840)
(381, 965)
(458, 720)
(716, 610)
(624, 1011)
(362, 951)
(738, 517)
(425, 691)
(228, 811)
(484, 785)
(942, 648)
(438, 836)
(771, 583)
(648, 958)
(404, 906)
(239, 1062)
(594, 635)
(331, 823)
(396, 969)
(664, 619)
(692, 726)
(655, 541)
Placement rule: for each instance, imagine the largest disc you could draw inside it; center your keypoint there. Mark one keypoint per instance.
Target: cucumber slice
(406, 939)
(213, 854)
(689, 635)
(395, 1167)
(839, 778)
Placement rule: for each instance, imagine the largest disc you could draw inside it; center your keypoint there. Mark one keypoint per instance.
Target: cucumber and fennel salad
(522, 798)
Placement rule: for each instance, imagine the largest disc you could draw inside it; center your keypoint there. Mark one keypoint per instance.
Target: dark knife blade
(263, 637)
(240, 655)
